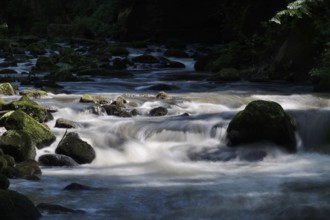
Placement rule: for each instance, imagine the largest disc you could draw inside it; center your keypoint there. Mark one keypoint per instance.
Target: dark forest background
(283, 39)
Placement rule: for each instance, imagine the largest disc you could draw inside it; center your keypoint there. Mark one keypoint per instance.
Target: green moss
(87, 98)
(7, 89)
(35, 93)
(18, 145)
(17, 120)
(30, 107)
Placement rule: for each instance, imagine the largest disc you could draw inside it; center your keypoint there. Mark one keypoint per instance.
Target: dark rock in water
(16, 206)
(4, 182)
(28, 168)
(56, 209)
(160, 87)
(73, 146)
(116, 110)
(56, 160)
(262, 121)
(303, 212)
(159, 111)
(65, 123)
(77, 187)
(219, 154)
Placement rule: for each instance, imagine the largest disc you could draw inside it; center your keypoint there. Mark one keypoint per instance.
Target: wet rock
(30, 131)
(86, 98)
(57, 160)
(9, 159)
(4, 182)
(30, 107)
(56, 209)
(162, 95)
(17, 144)
(159, 111)
(14, 205)
(28, 169)
(262, 121)
(34, 93)
(252, 155)
(116, 111)
(7, 89)
(65, 123)
(77, 187)
(73, 146)
(91, 71)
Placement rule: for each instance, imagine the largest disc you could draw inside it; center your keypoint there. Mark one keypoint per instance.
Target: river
(178, 166)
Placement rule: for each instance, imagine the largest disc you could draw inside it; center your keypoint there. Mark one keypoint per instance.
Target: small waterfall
(313, 127)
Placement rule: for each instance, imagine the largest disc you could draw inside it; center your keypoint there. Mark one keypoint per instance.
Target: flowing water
(178, 166)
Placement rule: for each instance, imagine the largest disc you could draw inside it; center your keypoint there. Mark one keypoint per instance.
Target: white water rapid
(178, 166)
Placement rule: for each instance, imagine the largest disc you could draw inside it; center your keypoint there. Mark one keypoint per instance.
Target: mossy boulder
(15, 206)
(22, 123)
(87, 98)
(34, 93)
(65, 123)
(7, 89)
(262, 121)
(30, 107)
(162, 95)
(73, 146)
(28, 168)
(17, 144)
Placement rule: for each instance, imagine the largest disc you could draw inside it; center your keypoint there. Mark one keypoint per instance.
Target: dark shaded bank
(199, 21)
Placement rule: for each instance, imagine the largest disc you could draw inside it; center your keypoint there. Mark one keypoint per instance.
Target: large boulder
(15, 206)
(262, 121)
(73, 146)
(39, 134)
(30, 107)
(18, 144)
